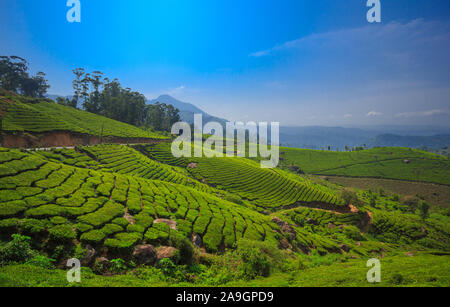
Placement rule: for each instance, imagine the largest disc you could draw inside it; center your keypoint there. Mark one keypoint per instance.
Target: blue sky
(297, 62)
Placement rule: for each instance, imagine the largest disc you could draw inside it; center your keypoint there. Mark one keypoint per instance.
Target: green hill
(23, 114)
(387, 162)
(267, 188)
(228, 220)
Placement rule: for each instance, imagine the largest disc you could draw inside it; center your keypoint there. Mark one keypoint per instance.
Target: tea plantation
(391, 163)
(42, 115)
(205, 221)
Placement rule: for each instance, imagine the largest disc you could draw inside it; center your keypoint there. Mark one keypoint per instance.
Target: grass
(418, 271)
(388, 163)
(423, 269)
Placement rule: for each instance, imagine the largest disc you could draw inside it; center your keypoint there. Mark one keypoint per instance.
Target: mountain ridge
(187, 110)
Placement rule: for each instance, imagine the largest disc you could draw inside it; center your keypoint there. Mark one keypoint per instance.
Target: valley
(134, 214)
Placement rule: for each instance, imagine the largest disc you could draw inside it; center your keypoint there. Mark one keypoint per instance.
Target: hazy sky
(316, 62)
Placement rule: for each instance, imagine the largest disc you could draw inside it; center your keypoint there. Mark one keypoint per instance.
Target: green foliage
(388, 162)
(123, 241)
(63, 233)
(185, 248)
(18, 250)
(14, 76)
(41, 261)
(94, 236)
(258, 258)
(424, 210)
(45, 116)
(167, 267)
(350, 197)
(264, 187)
(234, 199)
(118, 265)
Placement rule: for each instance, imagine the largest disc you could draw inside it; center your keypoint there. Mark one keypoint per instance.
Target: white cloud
(423, 113)
(384, 38)
(374, 113)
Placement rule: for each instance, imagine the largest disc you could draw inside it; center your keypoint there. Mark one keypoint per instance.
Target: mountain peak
(187, 110)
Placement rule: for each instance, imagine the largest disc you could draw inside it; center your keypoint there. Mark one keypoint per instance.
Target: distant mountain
(187, 110)
(317, 137)
(434, 142)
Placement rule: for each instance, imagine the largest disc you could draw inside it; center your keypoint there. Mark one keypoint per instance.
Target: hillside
(110, 199)
(390, 163)
(22, 116)
(202, 217)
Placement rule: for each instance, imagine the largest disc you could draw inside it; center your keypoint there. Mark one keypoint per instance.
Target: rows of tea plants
(68, 156)
(387, 162)
(45, 116)
(264, 187)
(402, 228)
(327, 231)
(126, 160)
(25, 117)
(38, 198)
(162, 152)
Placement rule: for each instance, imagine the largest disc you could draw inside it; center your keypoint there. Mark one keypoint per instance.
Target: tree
(84, 94)
(76, 85)
(424, 210)
(13, 70)
(94, 97)
(155, 116)
(350, 197)
(411, 202)
(110, 99)
(14, 77)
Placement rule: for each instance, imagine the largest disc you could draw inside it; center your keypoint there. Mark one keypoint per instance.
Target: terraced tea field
(44, 116)
(389, 163)
(115, 211)
(266, 188)
(125, 160)
(245, 178)
(114, 198)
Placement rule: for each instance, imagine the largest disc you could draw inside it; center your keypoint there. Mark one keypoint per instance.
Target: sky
(296, 62)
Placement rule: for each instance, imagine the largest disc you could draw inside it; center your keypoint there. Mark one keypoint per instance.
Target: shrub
(17, 250)
(397, 279)
(63, 233)
(411, 202)
(57, 220)
(32, 225)
(185, 247)
(258, 258)
(423, 210)
(118, 265)
(167, 267)
(350, 197)
(41, 261)
(94, 236)
(123, 240)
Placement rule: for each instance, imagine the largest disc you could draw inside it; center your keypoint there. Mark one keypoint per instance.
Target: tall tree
(14, 77)
(76, 85)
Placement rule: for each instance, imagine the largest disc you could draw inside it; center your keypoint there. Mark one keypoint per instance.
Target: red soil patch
(66, 139)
